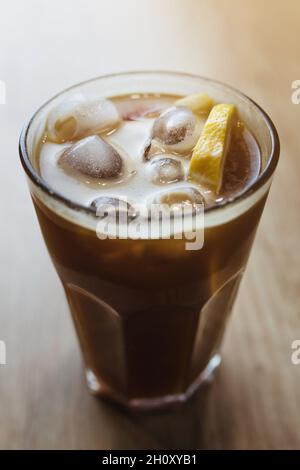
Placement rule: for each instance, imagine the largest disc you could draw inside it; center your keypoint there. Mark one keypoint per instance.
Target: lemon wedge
(206, 165)
(198, 103)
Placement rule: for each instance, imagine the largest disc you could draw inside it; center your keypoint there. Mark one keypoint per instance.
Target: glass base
(205, 377)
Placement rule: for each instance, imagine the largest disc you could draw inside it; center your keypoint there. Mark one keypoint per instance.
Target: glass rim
(263, 177)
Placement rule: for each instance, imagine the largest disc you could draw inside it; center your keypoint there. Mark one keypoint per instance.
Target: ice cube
(79, 118)
(140, 111)
(141, 108)
(92, 157)
(113, 207)
(166, 170)
(177, 129)
(179, 198)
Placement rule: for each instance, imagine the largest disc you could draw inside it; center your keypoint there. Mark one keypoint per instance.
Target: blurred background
(47, 45)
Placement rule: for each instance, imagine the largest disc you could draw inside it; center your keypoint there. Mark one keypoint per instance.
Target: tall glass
(149, 314)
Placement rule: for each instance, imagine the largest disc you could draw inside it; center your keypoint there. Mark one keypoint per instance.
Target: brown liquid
(150, 314)
(157, 339)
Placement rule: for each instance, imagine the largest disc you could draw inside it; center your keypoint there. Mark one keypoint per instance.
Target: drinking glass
(150, 315)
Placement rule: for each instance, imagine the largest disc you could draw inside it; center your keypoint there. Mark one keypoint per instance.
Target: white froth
(130, 140)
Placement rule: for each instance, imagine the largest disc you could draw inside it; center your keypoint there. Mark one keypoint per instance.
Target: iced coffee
(149, 313)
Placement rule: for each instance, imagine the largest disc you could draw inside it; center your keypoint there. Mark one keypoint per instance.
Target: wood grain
(255, 399)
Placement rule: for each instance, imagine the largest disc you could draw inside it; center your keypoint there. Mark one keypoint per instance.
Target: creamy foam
(130, 139)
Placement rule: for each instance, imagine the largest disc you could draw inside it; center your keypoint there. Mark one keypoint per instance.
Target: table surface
(255, 399)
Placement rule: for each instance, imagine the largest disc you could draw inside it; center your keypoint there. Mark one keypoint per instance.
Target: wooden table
(255, 399)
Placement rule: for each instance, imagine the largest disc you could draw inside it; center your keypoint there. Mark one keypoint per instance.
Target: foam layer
(130, 139)
(136, 185)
